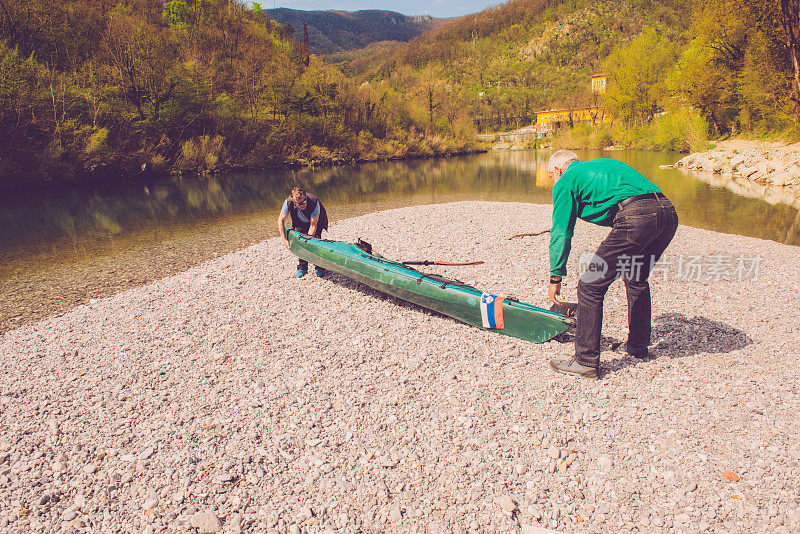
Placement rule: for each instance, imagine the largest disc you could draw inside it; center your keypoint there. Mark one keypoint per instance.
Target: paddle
(430, 262)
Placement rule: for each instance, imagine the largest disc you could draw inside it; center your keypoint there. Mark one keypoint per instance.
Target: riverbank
(237, 390)
(132, 169)
(771, 163)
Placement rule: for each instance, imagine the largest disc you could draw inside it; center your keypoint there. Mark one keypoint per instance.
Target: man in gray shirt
(308, 217)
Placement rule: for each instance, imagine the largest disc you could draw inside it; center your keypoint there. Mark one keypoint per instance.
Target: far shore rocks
(767, 166)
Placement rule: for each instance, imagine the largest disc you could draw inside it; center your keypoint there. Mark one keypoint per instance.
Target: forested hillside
(199, 85)
(679, 70)
(105, 86)
(338, 31)
(509, 61)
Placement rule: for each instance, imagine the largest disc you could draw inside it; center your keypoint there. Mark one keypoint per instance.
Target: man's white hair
(561, 159)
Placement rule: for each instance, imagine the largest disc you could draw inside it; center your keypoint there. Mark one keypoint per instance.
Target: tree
(144, 60)
(177, 14)
(255, 68)
(94, 88)
(637, 72)
(756, 43)
(19, 78)
(790, 21)
(706, 84)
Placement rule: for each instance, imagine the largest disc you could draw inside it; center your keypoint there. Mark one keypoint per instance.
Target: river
(59, 249)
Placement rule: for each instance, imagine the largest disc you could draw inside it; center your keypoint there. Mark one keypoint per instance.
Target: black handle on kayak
(566, 309)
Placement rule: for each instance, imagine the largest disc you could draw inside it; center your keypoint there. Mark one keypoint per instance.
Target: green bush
(96, 141)
(601, 138)
(683, 130)
(583, 136)
(201, 154)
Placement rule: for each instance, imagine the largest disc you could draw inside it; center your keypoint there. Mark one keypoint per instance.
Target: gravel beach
(234, 397)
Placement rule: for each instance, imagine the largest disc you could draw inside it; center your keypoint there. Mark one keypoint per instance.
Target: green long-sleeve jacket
(590, 190)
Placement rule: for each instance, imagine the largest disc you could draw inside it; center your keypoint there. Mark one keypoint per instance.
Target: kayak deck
(453, 298)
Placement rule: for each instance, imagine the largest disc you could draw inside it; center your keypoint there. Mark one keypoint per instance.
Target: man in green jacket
(642, 220)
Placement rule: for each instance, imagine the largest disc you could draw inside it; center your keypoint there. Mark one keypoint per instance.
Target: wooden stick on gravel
(532, 234)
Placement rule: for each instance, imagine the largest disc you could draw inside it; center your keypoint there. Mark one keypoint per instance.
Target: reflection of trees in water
(501, 175)
(730, 206)
(77, 215)
(481, 173)
(793, 233)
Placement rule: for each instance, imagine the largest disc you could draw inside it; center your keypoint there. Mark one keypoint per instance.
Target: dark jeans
(642, 230)
(302, 265)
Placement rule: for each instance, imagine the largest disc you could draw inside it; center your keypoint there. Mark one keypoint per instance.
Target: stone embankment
(762, 165)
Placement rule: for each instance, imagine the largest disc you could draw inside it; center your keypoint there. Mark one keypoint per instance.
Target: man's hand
(555, 289)
(282, 228)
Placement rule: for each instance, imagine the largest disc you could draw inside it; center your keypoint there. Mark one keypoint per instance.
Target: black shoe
(642, 354)
(572, 367)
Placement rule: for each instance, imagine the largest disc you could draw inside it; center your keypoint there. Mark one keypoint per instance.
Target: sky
(434, 8)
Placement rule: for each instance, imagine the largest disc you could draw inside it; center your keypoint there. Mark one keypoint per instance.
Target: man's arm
(314, 219)
(282, 228)
(565, 213)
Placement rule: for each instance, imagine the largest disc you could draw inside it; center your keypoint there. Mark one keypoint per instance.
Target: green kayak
(504, 315)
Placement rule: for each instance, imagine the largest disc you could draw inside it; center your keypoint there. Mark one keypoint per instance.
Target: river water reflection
(58, 249)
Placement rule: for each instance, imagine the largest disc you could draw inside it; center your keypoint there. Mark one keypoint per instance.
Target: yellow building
(595, 115)
(599, 84)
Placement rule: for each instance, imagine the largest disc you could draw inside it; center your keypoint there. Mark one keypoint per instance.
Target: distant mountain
(338, 31)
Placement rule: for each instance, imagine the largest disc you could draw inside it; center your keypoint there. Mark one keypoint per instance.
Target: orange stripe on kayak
(498, 313)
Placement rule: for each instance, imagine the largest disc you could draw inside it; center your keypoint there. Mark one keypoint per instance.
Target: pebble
(507, 503)
(604, 463)
(533, 529)
(395, 515)
(205, 522)
(389, 462)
